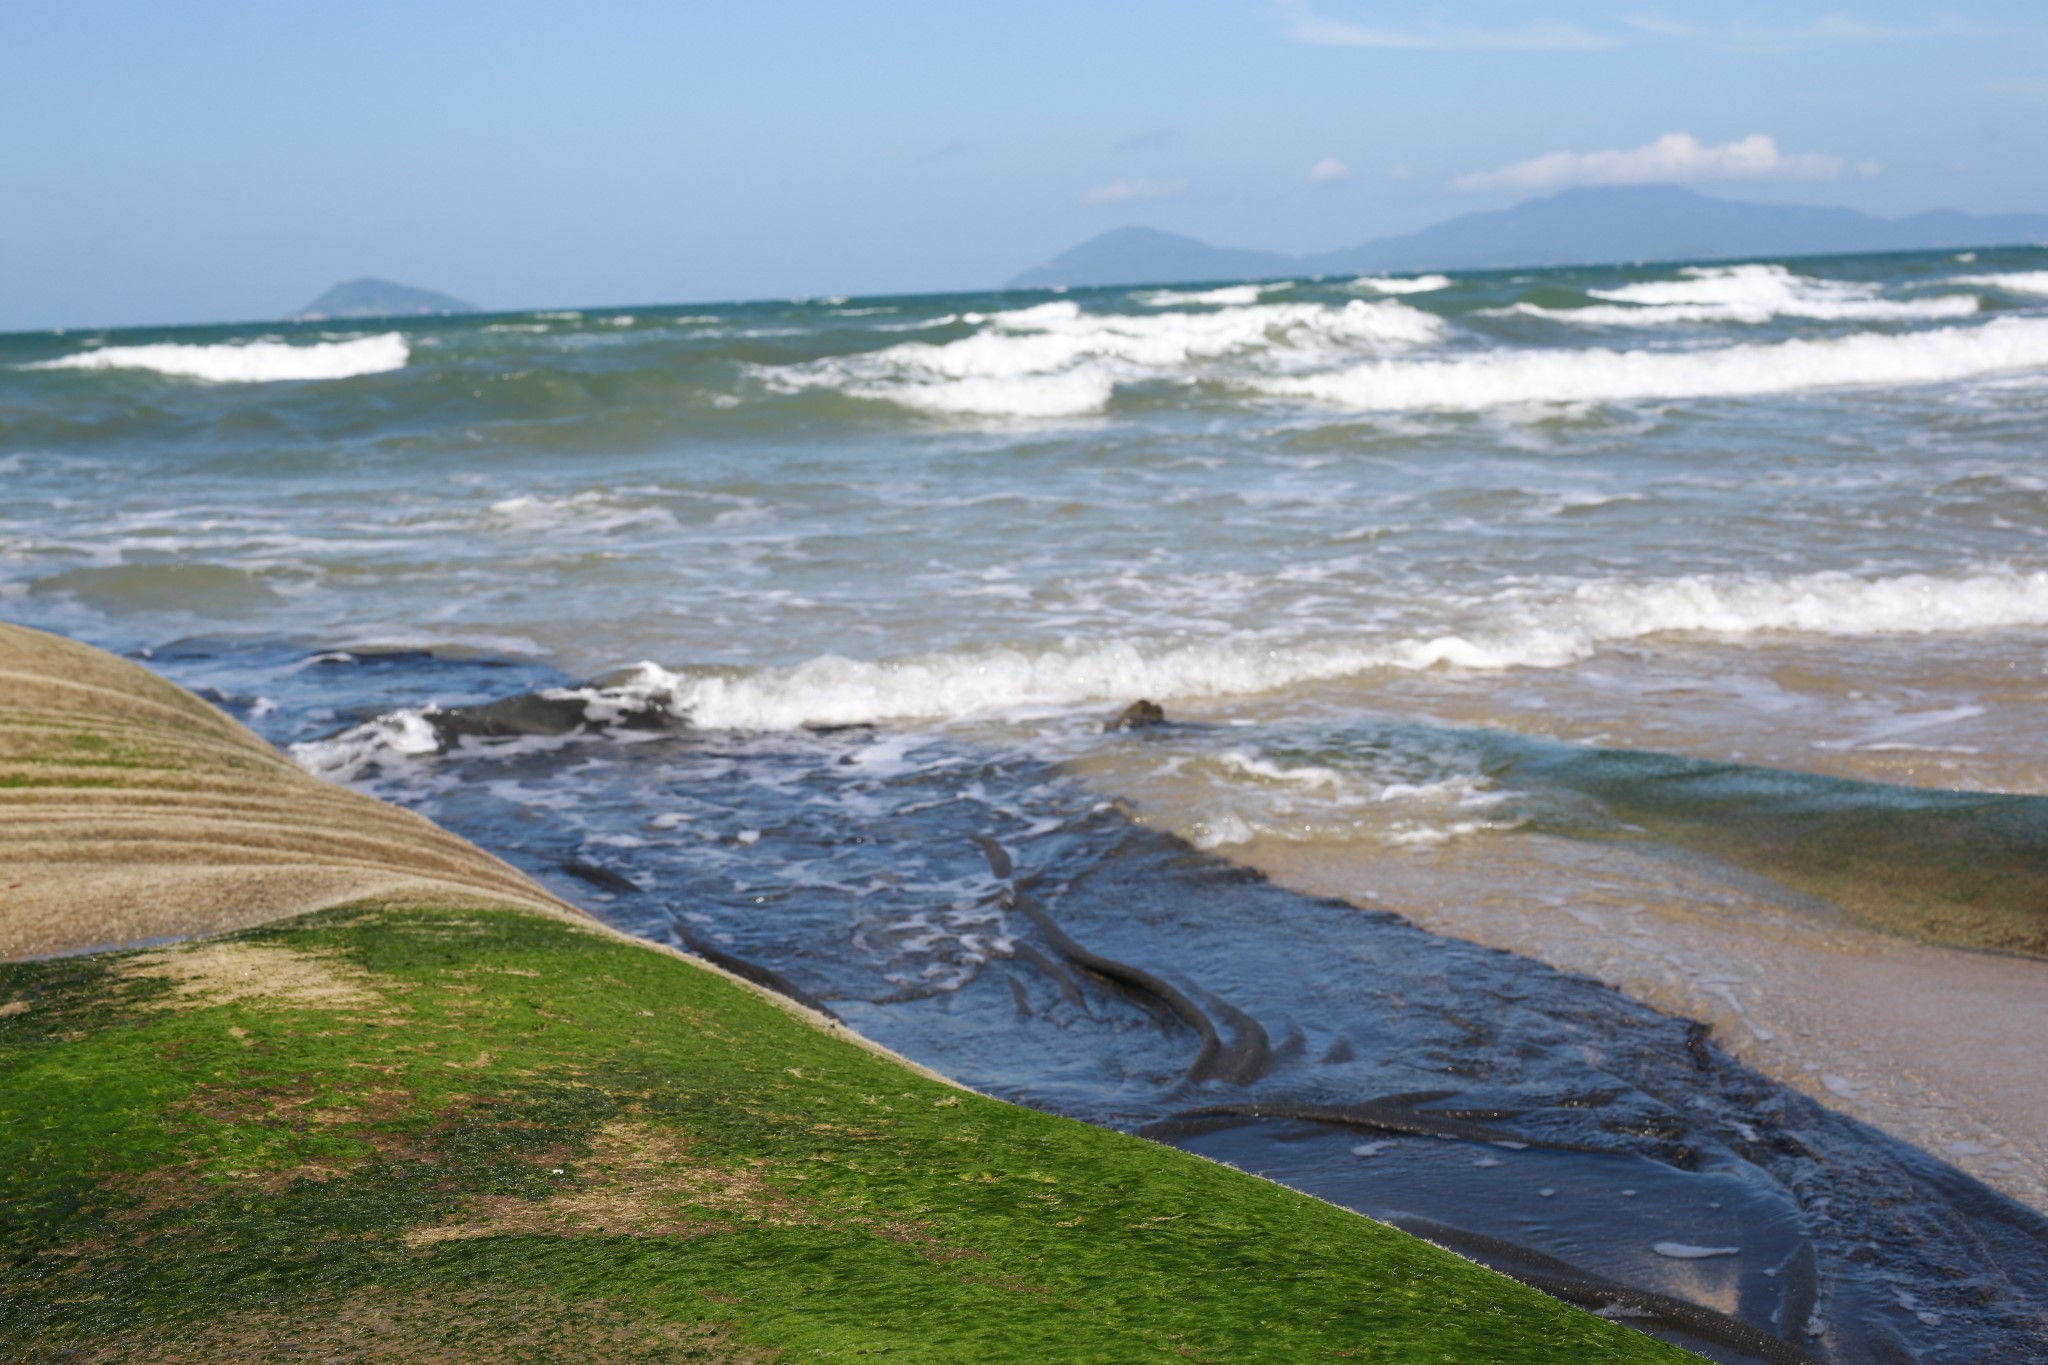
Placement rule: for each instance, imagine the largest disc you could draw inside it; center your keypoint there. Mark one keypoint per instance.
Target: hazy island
(374, 298)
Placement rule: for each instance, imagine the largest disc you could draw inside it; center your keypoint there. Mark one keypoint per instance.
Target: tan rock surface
(131, 812)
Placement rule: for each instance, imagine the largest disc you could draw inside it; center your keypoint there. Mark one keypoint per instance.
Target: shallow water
(1740, 567)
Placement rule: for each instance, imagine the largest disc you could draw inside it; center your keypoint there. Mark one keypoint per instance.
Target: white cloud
(1304, 25)
(1329, 168)
(1674, 159)
(1122, 191)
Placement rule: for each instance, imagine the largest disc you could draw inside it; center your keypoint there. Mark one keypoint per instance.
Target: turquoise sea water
(783, 604)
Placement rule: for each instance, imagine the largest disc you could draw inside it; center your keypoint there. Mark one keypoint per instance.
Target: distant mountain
(1140, 255)
(1577, 227)
(368, 298)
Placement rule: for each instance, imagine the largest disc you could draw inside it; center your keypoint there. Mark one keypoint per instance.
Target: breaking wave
(1502, 378)
(252, 362)
(1537, 627)
(1388, 284)
(2018, 281)
(1232, 295)
(1746, 294)
(1055, 360)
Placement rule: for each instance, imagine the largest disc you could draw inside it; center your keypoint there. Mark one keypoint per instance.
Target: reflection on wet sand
(1936, 1045)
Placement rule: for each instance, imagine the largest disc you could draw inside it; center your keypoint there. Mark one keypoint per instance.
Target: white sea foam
(593, 511)
(1506, 377)
(1054, 360)
(1523, 627)
(2018, 281)
(1822, 604)
(1390, 284)
(1419, 801)
(1231, 295)
(404, 732)
(1746, 294)
(1531, 627)
(1664, 315)
(919, 324)
(248, 362)
(1765, 285)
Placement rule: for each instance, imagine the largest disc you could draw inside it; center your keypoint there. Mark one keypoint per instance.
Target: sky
(213, 161)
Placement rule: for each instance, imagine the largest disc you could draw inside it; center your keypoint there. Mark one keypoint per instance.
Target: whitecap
(1507, 377)
(1055, 360)
(1228, 295)
(248, 362)
(1540, 626)
(2018, 281)
(1390, 284)
(404, 732)
(1745, 294)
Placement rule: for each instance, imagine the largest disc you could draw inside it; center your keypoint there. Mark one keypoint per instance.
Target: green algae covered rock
(456, 1134)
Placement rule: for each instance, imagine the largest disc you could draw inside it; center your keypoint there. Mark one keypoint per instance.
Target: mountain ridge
(1588, 226)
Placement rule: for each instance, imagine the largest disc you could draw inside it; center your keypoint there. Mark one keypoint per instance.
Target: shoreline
(1934, 1045)
(418, 1114)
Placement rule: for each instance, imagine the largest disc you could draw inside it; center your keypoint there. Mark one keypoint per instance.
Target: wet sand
(1938, 1046)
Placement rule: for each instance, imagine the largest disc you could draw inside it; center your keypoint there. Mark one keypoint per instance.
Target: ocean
(1522, 611)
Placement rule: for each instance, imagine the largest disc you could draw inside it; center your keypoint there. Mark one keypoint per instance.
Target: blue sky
(207, 160)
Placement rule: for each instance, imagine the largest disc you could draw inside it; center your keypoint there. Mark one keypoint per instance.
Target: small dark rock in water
(602, 878)
(509, 717)
(1139, 715)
